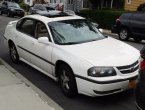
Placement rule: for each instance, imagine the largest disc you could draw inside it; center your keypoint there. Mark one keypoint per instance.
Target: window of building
(129, 1)
(70, 1)
(86, 3)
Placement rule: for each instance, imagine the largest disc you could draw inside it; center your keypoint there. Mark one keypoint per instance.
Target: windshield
(74, 31)
(13, 5)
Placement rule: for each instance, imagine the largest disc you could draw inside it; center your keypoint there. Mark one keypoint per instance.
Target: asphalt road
(121, 101)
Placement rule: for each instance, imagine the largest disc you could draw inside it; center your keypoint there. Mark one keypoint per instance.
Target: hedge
(24, 6)
(105, 18)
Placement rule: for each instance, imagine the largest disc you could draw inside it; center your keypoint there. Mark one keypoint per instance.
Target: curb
(108, 32)
(40, 93)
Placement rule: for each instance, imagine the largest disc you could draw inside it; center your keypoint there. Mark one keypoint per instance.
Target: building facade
(74, 5)
(131, 5)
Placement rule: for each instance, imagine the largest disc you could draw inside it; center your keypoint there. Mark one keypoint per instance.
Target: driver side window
(41, 30)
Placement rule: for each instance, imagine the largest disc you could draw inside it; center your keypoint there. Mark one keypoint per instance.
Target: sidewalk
(108, 32)
(15, 94)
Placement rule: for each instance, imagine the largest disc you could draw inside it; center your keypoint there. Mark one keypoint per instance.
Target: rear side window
(27, 27)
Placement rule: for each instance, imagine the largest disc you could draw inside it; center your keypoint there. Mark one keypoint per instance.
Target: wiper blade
(70, 43)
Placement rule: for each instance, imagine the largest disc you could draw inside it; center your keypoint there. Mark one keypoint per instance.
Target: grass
(1, 63)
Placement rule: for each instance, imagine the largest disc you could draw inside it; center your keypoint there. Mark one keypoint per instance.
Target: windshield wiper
(70, 43)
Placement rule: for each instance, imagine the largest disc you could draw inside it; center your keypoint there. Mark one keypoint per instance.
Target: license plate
(132, 83)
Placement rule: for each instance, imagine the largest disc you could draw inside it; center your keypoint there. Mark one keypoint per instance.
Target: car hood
(105, 52)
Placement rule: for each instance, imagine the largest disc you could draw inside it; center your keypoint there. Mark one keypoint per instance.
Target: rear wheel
(124, 34)
(67, 81)
(137, 39)
(13, 53)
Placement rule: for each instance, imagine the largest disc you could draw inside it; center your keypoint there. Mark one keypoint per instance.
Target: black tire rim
(64, 78)
(123, 34)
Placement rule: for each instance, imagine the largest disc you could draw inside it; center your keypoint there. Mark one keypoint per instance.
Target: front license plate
(132, 83)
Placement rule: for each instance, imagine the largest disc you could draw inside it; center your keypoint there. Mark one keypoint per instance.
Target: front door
(41, 53)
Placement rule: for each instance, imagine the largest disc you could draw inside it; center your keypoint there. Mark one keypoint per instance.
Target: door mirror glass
(43, 40)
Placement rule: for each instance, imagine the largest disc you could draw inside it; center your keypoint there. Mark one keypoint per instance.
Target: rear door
(42, 53)
(25, 34)
(137, 23)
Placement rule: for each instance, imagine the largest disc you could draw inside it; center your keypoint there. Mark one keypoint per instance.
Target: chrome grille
(129, 68)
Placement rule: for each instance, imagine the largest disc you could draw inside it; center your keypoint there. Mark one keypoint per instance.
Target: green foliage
(1, 63)
(105, 18)
(24, 6)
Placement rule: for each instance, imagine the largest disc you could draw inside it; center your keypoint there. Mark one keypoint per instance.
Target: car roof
(48, 19)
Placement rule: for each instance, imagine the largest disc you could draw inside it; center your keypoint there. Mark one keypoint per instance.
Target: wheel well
(125, 28)
(10, 42)
(57, 65)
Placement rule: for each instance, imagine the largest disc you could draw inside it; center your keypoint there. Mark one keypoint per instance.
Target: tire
(124, 34)
(0, 12)
(21, 16)
(13, 53)
(8, 14)
(137, 39)
(67, 81)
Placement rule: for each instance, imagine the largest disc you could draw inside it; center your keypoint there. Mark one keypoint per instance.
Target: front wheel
(13, 53)
(124, 34)
(0, 12)
(8, 14)
(67, 81)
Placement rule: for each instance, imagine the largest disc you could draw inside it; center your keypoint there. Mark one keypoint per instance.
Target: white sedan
(71, 50)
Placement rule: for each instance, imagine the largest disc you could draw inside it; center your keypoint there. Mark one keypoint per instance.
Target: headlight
(12, 9)
(101, 72)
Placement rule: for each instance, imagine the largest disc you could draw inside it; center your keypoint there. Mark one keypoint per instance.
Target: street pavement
(121, 101)
(15, 94)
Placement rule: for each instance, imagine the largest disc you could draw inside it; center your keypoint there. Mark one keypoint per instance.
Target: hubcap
(123, 34)
(13, 53)
(65, 80)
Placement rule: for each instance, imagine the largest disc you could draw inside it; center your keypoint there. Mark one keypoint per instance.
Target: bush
(105, 18)
(24, 6)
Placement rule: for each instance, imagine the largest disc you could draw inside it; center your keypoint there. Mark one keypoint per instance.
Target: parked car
(71, 50)
(130, 25)
(11, 9)
(140, 88)
(40, 9)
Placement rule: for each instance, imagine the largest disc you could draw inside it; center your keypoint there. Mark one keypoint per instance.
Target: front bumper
(102, 88)
(15, 13)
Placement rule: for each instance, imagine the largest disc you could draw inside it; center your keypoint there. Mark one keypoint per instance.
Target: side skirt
(46, 73)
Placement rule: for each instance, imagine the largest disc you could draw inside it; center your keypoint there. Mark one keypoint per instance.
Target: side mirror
(101, 30)
(96, 25)
(43, 40)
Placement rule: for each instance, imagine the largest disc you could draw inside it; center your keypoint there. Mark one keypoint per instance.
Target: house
(131, 5)
(74, 5)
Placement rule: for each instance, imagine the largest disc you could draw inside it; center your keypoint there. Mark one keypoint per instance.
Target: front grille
(18, 11)
(129, 68)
